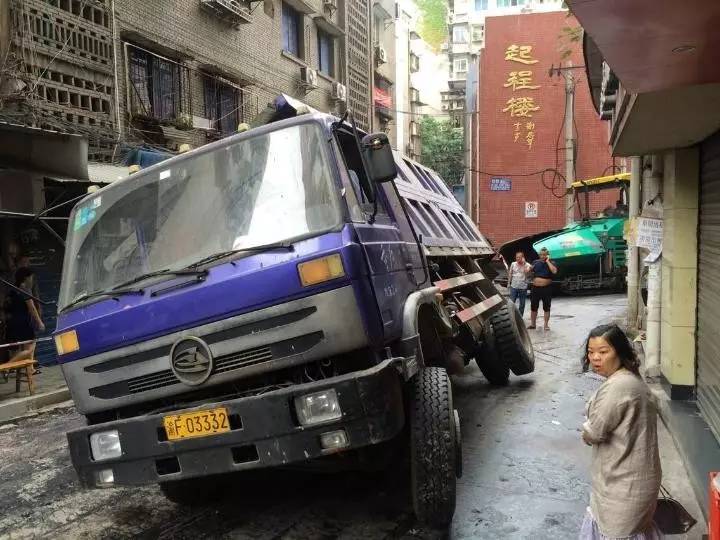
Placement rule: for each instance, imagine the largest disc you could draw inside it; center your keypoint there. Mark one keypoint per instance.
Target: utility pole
(471, 88)
(633, 274)
(569, 144)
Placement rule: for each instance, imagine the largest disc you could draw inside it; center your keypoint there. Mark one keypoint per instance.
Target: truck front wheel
(190, 492)
(433, 448)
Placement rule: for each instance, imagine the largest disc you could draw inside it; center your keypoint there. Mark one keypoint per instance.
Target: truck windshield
(270, 188)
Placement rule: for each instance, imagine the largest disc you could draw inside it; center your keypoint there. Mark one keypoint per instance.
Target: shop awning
(98, 173)
(50, 152)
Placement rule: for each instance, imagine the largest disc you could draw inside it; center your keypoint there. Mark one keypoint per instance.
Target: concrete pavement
(526, 469)
(50, 389)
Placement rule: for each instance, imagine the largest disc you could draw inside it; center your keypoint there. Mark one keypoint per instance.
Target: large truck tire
(492, 366)
(512, 341)
(433, 448)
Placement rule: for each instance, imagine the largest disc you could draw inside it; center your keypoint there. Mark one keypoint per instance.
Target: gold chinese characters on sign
(521, 106)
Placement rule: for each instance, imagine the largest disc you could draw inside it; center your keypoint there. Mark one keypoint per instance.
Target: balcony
(415, 96)
(232, 12)
(457, 18)
(457, 81)
(460, 48)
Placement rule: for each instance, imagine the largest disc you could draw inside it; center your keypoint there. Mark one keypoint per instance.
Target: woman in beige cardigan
(621, 427)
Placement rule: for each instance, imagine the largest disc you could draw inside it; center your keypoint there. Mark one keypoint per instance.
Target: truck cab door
(393, 258)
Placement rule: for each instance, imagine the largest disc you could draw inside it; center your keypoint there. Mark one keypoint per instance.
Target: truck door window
(358, 179)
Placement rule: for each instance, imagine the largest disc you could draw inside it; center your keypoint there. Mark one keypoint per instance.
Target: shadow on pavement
(301, 504)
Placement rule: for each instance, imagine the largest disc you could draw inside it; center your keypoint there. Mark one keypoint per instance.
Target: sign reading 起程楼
(521, 106)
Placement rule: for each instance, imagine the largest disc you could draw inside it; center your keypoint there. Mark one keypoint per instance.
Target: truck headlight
(318, 407)
(67, 342)
(105, 445)
(321, 270)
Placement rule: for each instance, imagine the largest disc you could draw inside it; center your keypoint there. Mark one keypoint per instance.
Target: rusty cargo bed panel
(435, 213)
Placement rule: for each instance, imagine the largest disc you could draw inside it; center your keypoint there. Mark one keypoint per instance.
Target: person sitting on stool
(543, 272)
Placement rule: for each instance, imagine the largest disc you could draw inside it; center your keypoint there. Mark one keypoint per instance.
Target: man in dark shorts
(543, 271)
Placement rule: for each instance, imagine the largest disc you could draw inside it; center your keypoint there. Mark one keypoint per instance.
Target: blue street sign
(500, 184)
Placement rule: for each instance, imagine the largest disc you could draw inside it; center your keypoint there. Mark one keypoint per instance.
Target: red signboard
(520, 127)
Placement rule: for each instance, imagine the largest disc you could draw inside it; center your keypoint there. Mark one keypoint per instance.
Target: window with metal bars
(222, 105)
(155, 85)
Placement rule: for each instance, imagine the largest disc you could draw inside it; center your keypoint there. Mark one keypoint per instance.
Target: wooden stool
(20, 366)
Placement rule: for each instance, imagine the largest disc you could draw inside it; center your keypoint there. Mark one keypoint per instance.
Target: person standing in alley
(23, 319)
(621, 427)
(518, 280)
(543, 271)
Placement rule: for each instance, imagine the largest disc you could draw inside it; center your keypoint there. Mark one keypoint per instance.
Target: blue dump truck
(291, 295)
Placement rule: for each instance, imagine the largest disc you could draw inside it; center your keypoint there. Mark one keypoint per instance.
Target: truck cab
(286, 294)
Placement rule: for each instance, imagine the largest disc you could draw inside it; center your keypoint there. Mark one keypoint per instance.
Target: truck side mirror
(379, 158)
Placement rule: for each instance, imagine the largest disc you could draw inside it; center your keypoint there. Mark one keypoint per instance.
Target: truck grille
(223, 364)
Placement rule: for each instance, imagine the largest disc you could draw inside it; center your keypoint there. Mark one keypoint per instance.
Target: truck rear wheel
(512, 341)
(492, 366)
(433, 448)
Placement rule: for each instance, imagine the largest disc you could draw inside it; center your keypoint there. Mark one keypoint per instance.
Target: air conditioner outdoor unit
(339, 92)
(444, 107)
(381, 55)
(414, 130)
(309, 77)
(411, 148)
(414, 95)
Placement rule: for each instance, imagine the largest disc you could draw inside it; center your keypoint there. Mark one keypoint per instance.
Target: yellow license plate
(196, 424)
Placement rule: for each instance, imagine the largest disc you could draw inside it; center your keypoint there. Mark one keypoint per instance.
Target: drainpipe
(118, 114)
(654, 305)
(633, 274)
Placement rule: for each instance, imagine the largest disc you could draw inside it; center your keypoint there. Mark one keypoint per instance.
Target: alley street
(526, 471)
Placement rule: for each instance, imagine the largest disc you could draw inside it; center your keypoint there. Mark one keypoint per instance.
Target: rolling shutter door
(708, 337)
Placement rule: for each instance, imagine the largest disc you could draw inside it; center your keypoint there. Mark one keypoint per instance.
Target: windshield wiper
(165, 272)
(228, 253)
(98, 294)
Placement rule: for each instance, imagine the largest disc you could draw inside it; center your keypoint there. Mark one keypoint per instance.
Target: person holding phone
(543, 271)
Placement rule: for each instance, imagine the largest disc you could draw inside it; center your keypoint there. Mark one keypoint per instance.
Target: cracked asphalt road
(526, 472)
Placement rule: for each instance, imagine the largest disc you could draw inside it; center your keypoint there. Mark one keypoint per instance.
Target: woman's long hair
(618, 341)
(21, 274)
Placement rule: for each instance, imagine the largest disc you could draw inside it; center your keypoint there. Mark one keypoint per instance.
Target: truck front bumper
(264, 432)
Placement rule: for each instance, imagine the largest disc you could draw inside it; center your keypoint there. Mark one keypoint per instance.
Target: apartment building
(466, 37)
(417, 85)
(166, 73)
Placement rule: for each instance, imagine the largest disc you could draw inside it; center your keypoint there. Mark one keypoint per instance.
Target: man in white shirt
(518, 280)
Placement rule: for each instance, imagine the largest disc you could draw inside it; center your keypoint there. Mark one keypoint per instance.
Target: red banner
(382, 98)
